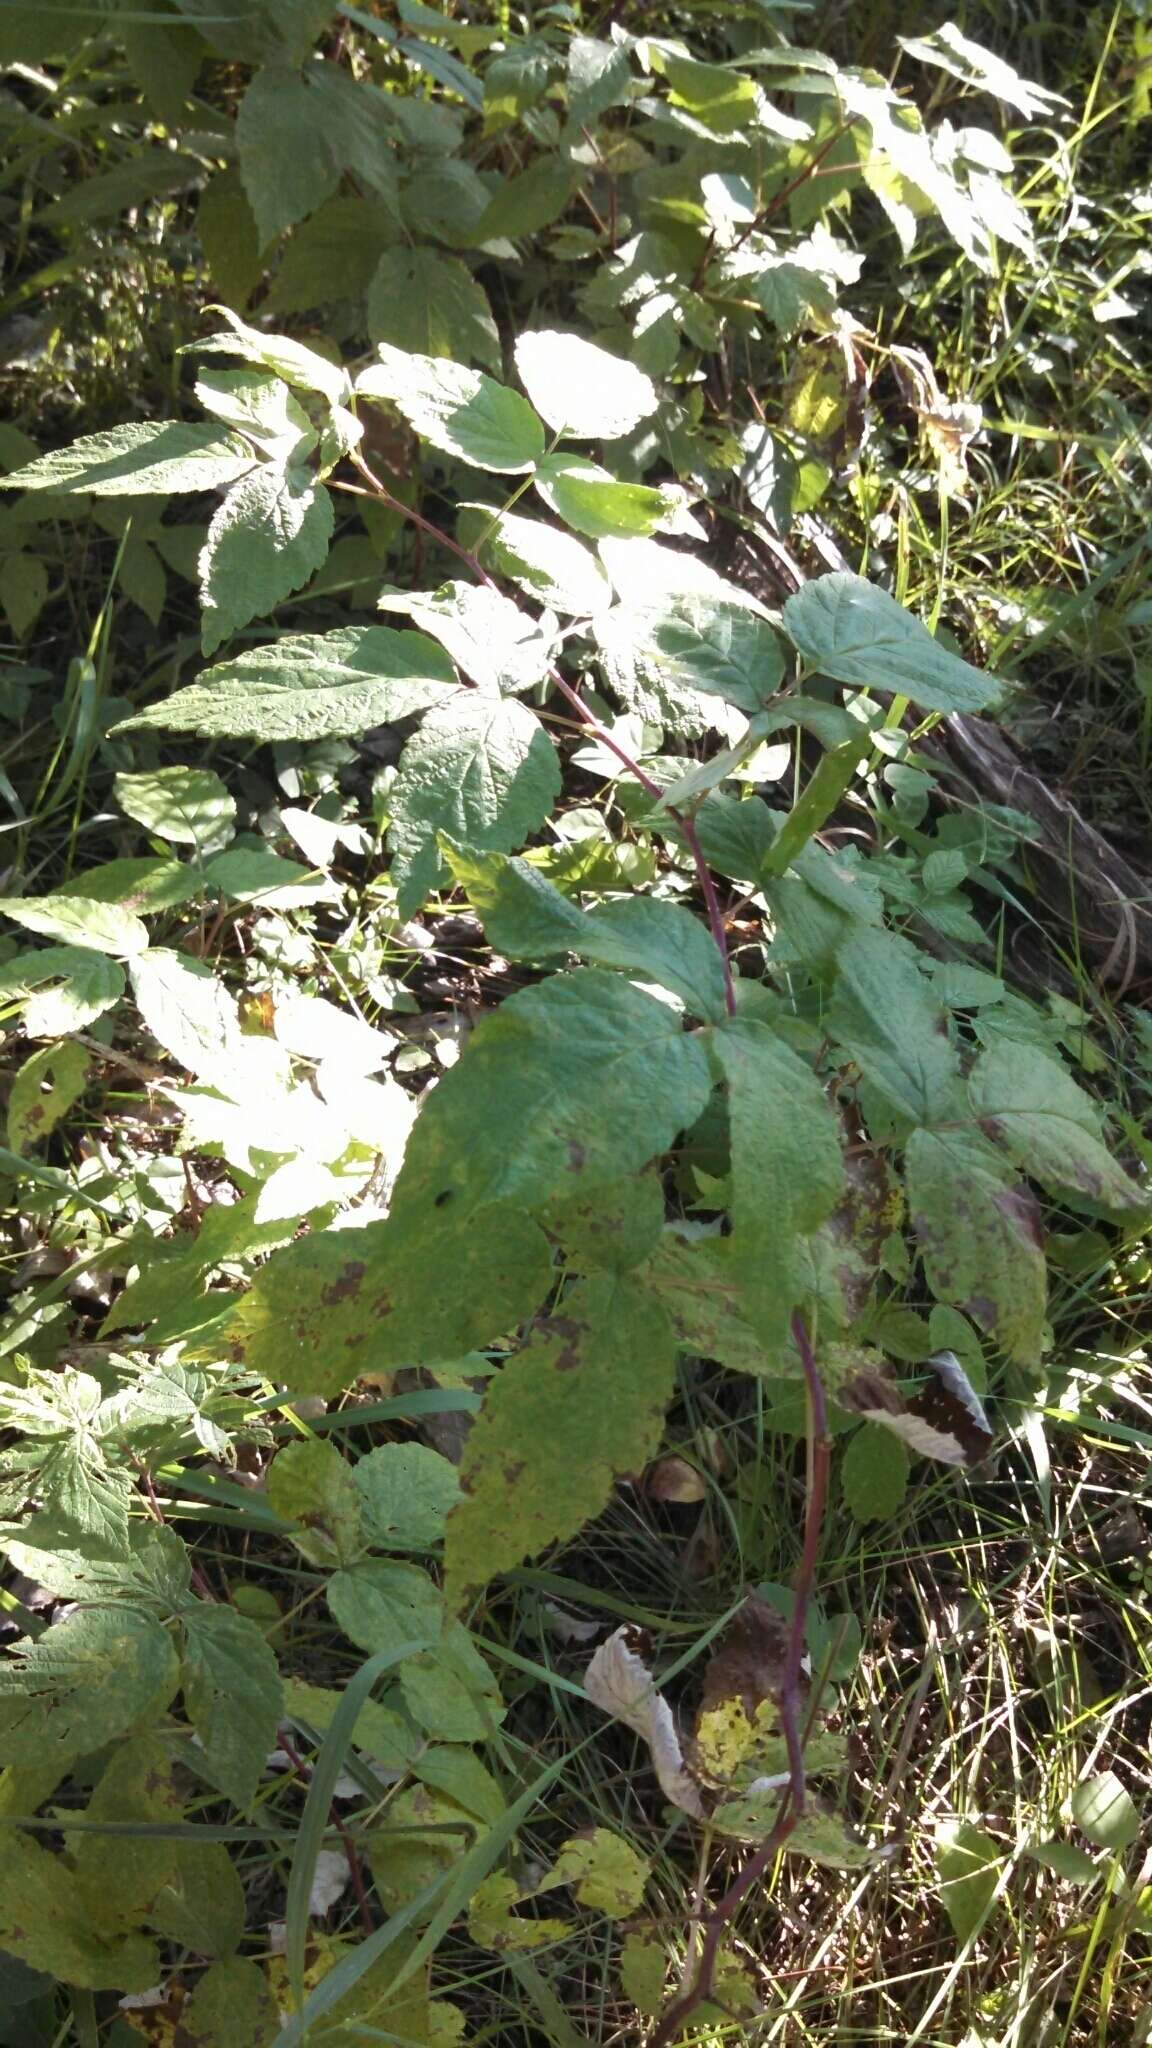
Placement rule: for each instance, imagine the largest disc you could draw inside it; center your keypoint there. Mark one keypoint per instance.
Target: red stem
(588, 718)
(362, 1900)
(793, 1801)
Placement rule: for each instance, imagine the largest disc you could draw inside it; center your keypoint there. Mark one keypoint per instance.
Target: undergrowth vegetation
(574, 1394)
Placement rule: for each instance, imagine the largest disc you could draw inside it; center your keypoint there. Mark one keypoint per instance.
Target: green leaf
(874, 1474)
(699, 1283)
(787, 1169)
(526, 203)
(482, 769)
(311, 1485)
(309, 687)
(230, 238)
(46, 1920)
(1031, 1106)
(527, 918)
(296, 364)
(581, 390)
(202, 1904)
(449, 1690)
(887, 1016)
(968, 1864)
(663, 656)
(589, 499)
(138, 459)
(492, 640)
(87, 985)
(378, 1733)
(856, 633)
(332, 256)
(24, 590)
(460, 411)
(122, 1875)
(548, 564)
(595, 1077)
(259, 405)
(980, 1237)
(581, 1404)
(598, 76)
(493, 1922)
(188, 1011)
(85, 1680)
(381, 1604)
(266, 539)
(724, 100)
(611, 1229)
(77, 921)
(43, 1090)
(232, 2002)
(232, 1695)
(1104, 1811)
(145, 884)
(407, 1492)
(1065, 1859)
(288, 161)
(430, 304)
(190, 806)
(343, 1302)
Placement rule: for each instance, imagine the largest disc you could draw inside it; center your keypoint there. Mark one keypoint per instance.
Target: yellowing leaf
(581, 1404)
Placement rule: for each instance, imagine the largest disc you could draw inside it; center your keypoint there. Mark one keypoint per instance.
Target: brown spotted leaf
(582, 1404)
(1031, 1106)
(980, 1238)
(403, 1292)
(571, 1084)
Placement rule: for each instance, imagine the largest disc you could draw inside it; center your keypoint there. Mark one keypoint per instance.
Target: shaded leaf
(407, 1492)
(429, 303)
(83, 1682)
(874, 1474)
(232, 1695)
(980, 1237)
(787, 1170)
(1032, 1107)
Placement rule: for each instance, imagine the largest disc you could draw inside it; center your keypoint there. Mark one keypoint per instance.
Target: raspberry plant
(873, 1109)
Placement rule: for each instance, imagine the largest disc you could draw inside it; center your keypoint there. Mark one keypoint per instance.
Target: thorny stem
(587, 718)
(793, 1801)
